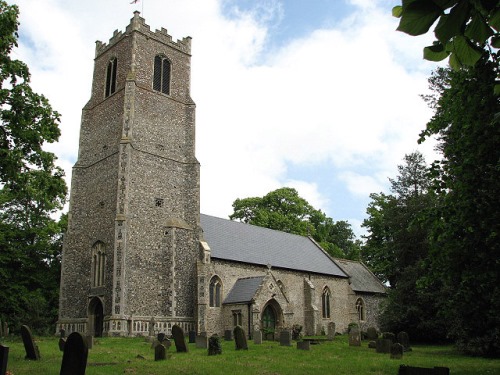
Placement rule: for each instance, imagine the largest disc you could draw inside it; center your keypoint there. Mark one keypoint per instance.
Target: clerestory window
(111, 77)
(161, 75)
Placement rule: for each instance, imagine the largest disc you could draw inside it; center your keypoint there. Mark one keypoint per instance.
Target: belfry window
(111, 77)
(360, 308)
(215, 292)
(98, 263)
(325, 303)
(161, 75)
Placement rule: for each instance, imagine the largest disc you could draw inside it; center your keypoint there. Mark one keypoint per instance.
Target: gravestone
(62, 339)
(180, 341)
(404, 340)
(166, 343)
(202, 342)
(304, 345)
(4, 357)
(396, 351)
(75, 355)
(354, 337)
(32, 351)
(240, 339)
(160, 352)
(286, 338)
(411, 370)
(383, 346)
(331, 331)
(371, 333)
(257, 337)
(160, 337)
(389, 336)
(192, 337)
(228, 335)
(372, 344)
(90, 341)
(214, 345)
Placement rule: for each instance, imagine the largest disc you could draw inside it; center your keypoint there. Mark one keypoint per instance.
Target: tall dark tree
(283, 209)
(466, 228)
(32, 189)
(396, 249)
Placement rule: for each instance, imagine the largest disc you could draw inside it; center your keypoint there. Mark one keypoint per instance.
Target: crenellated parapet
(137, 23)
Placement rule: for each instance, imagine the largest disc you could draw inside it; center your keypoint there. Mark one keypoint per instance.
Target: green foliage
(283, 209)
(466, 29)
(466, 221)
(32, 189)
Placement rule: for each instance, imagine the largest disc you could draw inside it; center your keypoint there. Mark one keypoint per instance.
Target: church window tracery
(111, 77)
(98, 263)
(161, 74)
(215, 292)
(325, 303)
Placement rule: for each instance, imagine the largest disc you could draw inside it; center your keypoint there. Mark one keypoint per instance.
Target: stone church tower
(130, 252)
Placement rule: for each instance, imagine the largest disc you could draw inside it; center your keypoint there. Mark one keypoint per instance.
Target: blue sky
(322, 96)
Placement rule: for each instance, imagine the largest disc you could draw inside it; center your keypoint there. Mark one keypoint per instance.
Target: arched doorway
(96, 317)
(271, 317)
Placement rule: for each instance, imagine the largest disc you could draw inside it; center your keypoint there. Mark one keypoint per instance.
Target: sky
(321, 95)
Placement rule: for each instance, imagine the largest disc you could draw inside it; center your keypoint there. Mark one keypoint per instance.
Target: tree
(283, 209)
(396, 249)
(32, 189)
(466, 31)
(466, 227)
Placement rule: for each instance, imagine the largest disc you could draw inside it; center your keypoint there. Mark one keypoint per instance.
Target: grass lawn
(135, 356)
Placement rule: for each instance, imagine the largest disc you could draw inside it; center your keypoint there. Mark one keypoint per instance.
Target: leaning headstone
(228, 335)
(371, 333)
(180, 342)
(331, 331)
(75, 355)
(62, 339)
(411, 370)
(304, 345)
(404, 340)
(286, 338)
(4, 357)
(383, 345)
(32, 351)
(160, 352)
(192, 337)
(240, 339)
(202, 342)
(214, 345)
(354, 337)
(257, 337)
(396, 351)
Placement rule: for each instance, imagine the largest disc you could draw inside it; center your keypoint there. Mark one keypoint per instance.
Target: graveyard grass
(112, 355)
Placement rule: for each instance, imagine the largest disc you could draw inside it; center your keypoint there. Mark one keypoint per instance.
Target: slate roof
(362, 279)
(244, 290)
(235, 241)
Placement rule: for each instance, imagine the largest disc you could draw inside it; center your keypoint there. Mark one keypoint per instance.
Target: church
(139, 257)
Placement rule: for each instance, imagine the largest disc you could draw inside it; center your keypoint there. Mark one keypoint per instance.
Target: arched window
(360, 308)
(325, 303)
(161, 75)
(98, 263)
(215, 292)
(111, 77)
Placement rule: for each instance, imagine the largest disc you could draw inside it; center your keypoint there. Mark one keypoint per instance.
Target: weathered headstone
(192, 337)
(286, 337)
(228, 335)
(389, 336)
(404, 340)
(257, 337)
(396, 351)
(166, 343)
(62, 339)
(304, 345)
(240, 338)
(383, 345)
(411, 370)
(180, 341)
(331, 331)
(4, 357)
(90, 341)
(160, 337)
(372, 344)
(160, 352)
(214, 345)
(75, 355)
(202, 342)
(354, 337)
(32, 351)
(371, 333)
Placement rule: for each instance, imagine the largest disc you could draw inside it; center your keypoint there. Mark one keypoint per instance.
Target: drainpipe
(249, 320)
